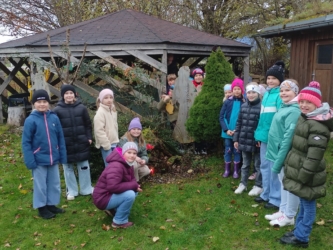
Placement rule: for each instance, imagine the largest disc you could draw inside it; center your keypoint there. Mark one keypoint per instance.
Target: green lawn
(197, 213)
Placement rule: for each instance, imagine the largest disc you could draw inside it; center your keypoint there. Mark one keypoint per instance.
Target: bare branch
(68, 55)
(78, 66)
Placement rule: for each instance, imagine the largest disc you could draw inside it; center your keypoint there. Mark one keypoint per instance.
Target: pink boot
(227, 167)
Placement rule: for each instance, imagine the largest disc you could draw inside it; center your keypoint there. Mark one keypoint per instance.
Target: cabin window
(325, 54)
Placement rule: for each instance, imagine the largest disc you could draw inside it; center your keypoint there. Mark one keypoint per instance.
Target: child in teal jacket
(279, 143)
(269, 106)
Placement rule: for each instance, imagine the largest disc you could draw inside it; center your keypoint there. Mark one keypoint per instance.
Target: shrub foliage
(203, 123)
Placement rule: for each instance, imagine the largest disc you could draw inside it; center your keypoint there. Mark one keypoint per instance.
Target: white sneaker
(70, 198)
(255, 191)
(282, 221)
(240, 189)
(273, 216)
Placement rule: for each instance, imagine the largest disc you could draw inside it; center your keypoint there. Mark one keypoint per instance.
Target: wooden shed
(116, 39)
(311, 54)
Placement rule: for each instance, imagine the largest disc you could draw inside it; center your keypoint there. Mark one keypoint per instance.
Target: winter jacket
(142, 153)
(116, 178)
(105, 127)
(304, 167)
(269, 106)
(246, 125)
(281, 133)
(161, 106)
(76, 124)
(229, 114)
(43, 142)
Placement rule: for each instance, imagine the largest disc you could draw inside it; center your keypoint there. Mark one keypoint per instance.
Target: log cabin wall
(302, 58)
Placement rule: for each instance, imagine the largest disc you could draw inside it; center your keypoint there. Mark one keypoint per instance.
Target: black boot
(55, 210)
(45, 213)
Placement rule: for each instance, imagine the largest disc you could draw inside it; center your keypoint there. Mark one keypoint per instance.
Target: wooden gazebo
(117, 39)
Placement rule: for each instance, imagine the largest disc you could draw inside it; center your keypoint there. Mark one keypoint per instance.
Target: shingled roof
(124, 27)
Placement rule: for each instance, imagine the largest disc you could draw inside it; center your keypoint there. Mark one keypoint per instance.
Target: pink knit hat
(237, 82)
(311, 93)
(103, 93)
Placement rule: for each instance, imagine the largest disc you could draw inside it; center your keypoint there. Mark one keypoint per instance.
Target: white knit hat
(129, 145)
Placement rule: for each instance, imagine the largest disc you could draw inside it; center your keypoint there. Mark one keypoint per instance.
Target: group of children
(286, 133)
(64, 135)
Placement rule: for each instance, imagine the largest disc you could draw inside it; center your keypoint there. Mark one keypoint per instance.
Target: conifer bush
(203, 122)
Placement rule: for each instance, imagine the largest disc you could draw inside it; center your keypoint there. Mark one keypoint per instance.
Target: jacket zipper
(48, 139)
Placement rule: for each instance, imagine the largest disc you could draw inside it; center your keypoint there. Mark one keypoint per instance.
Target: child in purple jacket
(117, 188)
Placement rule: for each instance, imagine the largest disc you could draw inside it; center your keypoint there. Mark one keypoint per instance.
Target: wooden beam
(15, 79)
(54, 91)
(147, 59)
(11, 76)
(196, 62)
(246, 68)
(9, 88)
(118, 84)
(93, 92)
(123, 66)
(183, 60)
(20, 69)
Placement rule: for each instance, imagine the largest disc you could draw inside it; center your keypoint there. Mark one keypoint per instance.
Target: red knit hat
(311, 93)
(237, 82)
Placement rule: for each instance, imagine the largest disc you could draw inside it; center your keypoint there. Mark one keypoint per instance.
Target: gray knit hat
(129, 145)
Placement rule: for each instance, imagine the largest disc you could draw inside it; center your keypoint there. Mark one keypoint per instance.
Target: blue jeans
(274, 187)
(105, 154)
(289, 202)
(305, 218)
(247, 159)
(229, 150)
(83, 170)
(122, 203)
(265, 170)
(46, 186)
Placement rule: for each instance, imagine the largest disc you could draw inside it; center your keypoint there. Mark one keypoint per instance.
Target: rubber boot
(227, 166)
(236, 170)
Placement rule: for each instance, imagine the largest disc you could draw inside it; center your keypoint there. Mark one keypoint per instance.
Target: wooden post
(38, 79)
(184, 93)
(246, 70)
(1, 115)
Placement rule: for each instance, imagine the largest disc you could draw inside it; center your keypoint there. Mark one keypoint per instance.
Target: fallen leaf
(83, 244)
(255, 205)
(20, 186)
(155, 239)
(255, 214)
(319, 205)
(162, 227)
(208, 208)
(36, 233)
(38, 244)
(218, 185)
(120, 238)
(173, 225)
(24, 191)
(72, 225)
(321, 222)
(254, 231)
(7, 245)
(198, 191)
(106, 227)
(233, 202)
(64, 206)
(190, 171)
(168, 220)
(88, 230)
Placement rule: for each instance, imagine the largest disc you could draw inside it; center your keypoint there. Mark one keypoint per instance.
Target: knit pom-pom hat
(197, 71)
(104, 93)
(277, 70)
(129, 145)
(311, 93)
(135, 123)
(237, 82)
